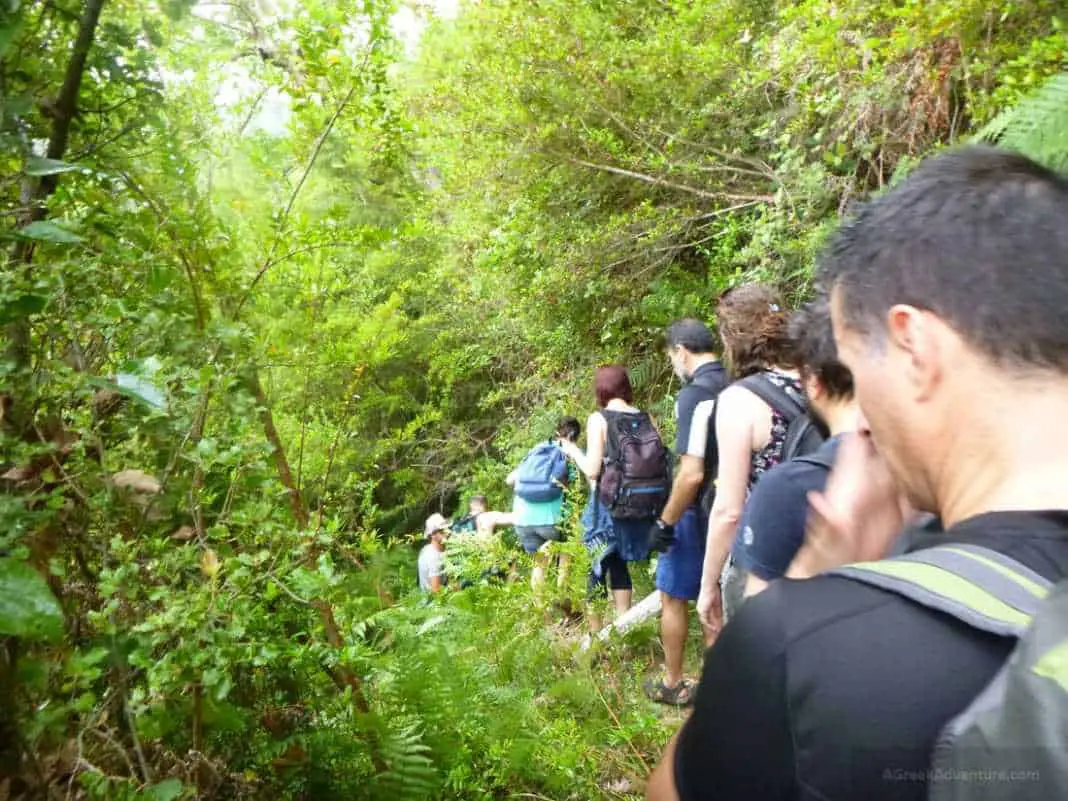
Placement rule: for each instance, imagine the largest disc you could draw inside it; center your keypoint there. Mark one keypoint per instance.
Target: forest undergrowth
(280, 278)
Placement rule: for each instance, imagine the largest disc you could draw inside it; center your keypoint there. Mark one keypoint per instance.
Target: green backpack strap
(983, 588)
(1012, 740)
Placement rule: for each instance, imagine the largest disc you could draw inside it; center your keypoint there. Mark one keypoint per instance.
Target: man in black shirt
(948, 297)
(683, 524)
(773, 523)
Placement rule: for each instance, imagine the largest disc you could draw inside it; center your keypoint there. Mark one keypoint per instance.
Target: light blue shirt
(537, 513)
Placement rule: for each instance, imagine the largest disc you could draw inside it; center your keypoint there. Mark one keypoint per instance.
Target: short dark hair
(754, 323)
(813, 335)
(612, 381)
(977, 236)
(691, 334)
(569, 428)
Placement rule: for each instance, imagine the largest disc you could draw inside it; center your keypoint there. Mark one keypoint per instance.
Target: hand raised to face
(858, 515)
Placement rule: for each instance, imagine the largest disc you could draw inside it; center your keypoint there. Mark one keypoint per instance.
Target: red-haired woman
(615, 542)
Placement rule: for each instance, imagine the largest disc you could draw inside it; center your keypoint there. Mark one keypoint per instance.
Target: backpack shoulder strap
(773, 395)
(611, 435)
(978, 586)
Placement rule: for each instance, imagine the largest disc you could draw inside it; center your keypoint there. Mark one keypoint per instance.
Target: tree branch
(284, 219)
(35, 192)
(656, 181)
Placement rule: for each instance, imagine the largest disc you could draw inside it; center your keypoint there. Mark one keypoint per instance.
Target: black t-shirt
(773, 524)
(832, 690)
(696, 433)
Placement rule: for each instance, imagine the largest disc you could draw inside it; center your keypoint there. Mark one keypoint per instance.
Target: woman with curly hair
(750, 432)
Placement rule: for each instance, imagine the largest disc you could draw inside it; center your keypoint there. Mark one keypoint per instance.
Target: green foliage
(286, 284)
(1037, 126)
(28, 609)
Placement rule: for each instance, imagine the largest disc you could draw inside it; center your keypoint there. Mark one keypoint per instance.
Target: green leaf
(28, 608)
(38, 166)
(166, 790)
(16, 106)
(22, 306)
(9, 34)
(141, 389)
(45, 231)
(152, 33)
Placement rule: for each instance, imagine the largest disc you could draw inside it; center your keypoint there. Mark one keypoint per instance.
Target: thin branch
(280, 585)
(627, 129)
(251, 112)
(131, 723)
(309, 248)
(750, 160)
(284, 219)
(655, 181)
(183, 257)
(303, 425)
(128, 128)
(721, 168)
(329, 469)
(63, 474)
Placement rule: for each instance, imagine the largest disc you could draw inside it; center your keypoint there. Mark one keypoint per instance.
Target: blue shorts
(678, 572)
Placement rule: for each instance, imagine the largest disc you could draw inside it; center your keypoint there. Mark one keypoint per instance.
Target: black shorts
(533, 537)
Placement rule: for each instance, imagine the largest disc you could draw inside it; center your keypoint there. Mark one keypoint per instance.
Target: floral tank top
(771, 454)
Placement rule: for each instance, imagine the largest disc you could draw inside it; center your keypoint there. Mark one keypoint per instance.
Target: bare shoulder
(744, 411)
(736, 397)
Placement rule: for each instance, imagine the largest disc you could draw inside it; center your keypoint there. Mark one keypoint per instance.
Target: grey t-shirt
(431, 564)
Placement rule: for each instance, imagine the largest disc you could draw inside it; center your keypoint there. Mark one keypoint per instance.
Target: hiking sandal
(679, 695)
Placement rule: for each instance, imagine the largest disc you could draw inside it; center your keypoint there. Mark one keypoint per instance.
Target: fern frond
(1037, 126)
(410, 773)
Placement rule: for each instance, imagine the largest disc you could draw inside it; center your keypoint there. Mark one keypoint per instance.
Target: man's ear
(915, 339)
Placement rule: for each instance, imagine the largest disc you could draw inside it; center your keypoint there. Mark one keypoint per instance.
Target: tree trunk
(35, 191)
(19, 412)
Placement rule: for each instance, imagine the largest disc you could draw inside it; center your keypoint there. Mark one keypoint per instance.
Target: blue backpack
(542, 473)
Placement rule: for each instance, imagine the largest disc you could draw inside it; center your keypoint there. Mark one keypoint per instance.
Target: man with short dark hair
(682, 525)
(773, 523)
(948, 298)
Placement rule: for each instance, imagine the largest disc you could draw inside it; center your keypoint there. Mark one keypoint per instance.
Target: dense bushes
(281, 287)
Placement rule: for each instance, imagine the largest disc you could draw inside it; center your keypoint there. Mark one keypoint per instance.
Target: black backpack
(803, 435)
(636, 479)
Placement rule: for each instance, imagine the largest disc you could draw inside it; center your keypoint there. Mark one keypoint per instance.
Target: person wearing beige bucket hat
(431, 566)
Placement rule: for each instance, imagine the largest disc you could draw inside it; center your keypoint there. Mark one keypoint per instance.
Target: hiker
(431, 565)
(773, 523)
(468, 524)
(539, 486)
(948, 297)
(753, 421)
(629, 472)
(568, 431)
(680, 530)
(480, 519)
